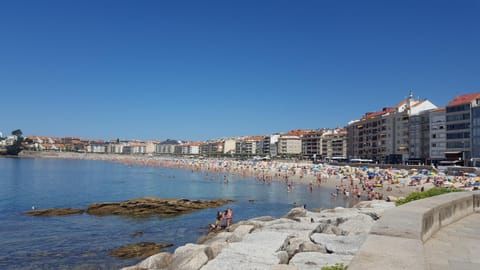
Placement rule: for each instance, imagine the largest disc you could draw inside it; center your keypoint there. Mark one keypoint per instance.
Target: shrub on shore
(422, 195)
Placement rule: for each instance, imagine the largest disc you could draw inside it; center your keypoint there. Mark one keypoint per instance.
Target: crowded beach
(361, 182)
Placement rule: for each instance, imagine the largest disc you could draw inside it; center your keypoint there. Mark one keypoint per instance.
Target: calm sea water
(84, 241)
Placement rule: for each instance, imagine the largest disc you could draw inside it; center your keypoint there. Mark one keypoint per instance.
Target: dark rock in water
(139, 250)
(150, 206)
(55, 212)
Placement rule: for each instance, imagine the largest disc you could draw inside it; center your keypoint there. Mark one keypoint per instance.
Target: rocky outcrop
(191, 257)
(150, 206)
(55, 212)
(300, 240)
(139, 250)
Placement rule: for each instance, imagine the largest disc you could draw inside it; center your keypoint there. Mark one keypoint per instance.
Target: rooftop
(464, 99)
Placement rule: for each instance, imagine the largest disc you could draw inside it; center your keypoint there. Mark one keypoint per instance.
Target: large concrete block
(385, 252)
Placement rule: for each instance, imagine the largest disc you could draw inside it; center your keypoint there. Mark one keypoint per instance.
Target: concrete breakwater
(403, 235)
(301, 239)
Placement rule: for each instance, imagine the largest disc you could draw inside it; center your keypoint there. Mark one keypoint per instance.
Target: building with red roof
(463, 128)
(385, 135)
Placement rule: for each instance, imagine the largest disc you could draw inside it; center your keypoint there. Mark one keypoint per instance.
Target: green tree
(16, 147)
(17, 132)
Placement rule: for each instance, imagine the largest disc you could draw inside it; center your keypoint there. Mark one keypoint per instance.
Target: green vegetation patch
(337, 266)
(429, 193)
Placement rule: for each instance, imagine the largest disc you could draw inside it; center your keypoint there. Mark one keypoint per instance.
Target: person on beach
(229, 216)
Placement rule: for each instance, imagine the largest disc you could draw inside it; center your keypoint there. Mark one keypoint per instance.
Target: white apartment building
(384, 136)
(334, 144)
(289, 145)
(188, 149)
(150, 147)
(229, 146)
(405, 110)
(116, 148)
(96, 148)
(167, 146)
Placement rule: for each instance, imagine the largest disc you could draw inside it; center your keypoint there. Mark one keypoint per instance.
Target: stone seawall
(300, 240)
(397, 240)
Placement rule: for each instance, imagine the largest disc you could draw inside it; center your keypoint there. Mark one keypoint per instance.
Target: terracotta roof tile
(439, 109)
(464, 99)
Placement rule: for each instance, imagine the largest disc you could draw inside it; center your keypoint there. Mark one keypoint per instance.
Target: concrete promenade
(441, 232)
(456, 246)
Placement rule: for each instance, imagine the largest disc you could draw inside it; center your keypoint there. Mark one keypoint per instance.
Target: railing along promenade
(397, 240)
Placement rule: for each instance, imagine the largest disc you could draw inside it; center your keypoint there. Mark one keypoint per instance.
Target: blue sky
(199, 70)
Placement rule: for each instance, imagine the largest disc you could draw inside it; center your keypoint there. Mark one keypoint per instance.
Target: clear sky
(198, 70)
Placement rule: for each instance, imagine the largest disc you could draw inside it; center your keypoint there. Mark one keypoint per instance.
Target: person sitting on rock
(223, 220)
(217, 221)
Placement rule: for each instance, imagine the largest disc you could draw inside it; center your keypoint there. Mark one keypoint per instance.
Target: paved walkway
(456, 246)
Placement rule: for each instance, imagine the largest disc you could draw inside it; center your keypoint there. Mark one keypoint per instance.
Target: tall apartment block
(393, 135)
(463, 129)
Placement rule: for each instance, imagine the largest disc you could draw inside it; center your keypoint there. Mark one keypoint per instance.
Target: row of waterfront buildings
(320, 144)
(415, 131)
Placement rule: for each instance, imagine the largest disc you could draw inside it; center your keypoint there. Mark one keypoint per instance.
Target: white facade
(274, 144)
(96, 148)
(289, 145)
(411, 107)
(229, 146)
(165, 148)
(138, 149)
(334, 144)
(188, 149)
(116, 148)
(150, 147)
(194, 150)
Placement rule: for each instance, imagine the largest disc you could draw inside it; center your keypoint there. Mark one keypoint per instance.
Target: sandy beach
(361, 182)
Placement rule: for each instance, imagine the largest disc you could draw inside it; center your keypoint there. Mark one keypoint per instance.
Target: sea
(85, 241)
